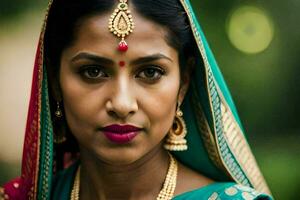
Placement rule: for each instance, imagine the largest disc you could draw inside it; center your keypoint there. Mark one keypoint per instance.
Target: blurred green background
(256, 44)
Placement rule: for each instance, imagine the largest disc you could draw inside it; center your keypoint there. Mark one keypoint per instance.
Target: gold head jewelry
(121, 23)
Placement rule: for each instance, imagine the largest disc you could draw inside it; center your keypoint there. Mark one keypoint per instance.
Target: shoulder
(223, 191)
(189, 179)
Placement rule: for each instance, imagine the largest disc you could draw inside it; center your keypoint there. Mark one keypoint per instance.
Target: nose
(122, 102)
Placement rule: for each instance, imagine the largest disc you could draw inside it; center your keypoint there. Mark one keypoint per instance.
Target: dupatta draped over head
(217, 145)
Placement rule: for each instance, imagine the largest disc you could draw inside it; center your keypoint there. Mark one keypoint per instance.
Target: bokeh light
(250, 29)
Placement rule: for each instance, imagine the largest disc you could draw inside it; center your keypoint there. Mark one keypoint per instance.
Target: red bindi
(122, 63)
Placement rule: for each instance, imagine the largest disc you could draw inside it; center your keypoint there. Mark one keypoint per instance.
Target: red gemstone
(123, 46)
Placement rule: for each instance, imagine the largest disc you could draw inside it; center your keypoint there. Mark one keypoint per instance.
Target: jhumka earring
(175, 140)
(59, 138)
(121, 24)
(58, 112)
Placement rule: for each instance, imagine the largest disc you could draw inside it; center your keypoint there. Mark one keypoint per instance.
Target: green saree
(217, 145)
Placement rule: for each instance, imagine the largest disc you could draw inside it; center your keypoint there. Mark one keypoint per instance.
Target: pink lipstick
(120, 134)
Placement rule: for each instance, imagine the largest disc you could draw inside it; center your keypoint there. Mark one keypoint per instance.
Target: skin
(122, 95)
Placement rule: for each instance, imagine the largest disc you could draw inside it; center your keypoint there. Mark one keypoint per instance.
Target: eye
(151, 73)
(93, 72)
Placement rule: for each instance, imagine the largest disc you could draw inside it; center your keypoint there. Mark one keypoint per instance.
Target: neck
(142, 179)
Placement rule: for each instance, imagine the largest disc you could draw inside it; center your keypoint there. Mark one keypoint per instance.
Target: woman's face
(104, 89)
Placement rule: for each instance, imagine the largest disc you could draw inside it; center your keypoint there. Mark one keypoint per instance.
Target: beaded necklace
(166, 193)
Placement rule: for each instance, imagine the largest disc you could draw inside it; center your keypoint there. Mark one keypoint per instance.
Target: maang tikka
(121, 24)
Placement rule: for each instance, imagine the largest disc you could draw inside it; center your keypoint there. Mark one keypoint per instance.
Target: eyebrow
(100, 59)
(93, 57)
(150, 58)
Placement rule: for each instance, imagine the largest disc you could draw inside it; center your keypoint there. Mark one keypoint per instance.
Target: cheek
(80, 103)
(160, 105)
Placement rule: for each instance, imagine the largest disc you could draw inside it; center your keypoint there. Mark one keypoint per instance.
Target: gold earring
(58, 112)
(59, 126)
(176, 137)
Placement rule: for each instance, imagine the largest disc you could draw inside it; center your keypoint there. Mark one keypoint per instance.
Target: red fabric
(28, 180)
(13, 192)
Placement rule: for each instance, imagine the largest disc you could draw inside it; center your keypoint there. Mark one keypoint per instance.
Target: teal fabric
(46, 145)
(223, 191)
(210, 90)
(196, 157)
(63, 183)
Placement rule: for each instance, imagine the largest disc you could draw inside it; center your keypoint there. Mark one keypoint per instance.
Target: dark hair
(66, 14)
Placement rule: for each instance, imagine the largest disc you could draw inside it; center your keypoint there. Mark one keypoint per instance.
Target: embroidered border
(44, 164)
(206, 134)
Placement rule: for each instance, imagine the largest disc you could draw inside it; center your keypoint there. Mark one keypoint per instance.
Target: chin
(119, 156)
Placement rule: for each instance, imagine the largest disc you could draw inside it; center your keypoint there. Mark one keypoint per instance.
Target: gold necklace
(166, 193)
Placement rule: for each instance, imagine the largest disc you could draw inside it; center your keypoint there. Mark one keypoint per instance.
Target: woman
(128, 103)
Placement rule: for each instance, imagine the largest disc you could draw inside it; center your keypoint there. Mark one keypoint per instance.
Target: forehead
(147, 37)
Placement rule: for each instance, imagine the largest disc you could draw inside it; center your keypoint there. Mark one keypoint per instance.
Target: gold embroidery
(33, 194)
(207, 136)
(214, 196)
(247, 196)
(231, 191)
(241, 150)
(207, 66)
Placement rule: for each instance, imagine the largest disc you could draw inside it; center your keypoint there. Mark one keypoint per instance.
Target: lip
(120, 134)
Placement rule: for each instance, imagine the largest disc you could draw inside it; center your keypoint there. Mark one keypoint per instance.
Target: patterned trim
(46, 145)
(40, 85)
(31, 143)
(227, 157)
(242, 151)
(213, 99)
(243, 169)
(40, 78)
(207, 136)
(44, 156)
(237, 192)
